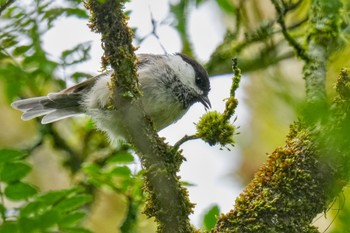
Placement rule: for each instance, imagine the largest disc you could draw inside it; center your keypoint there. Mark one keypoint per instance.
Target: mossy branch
(301, 179)
(264, 35)
(323, 34)
(167, 199)
(284, 195)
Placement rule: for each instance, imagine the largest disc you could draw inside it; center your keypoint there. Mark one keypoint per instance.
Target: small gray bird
(170, 84)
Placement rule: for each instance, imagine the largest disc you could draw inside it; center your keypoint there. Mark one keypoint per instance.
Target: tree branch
(285, 194)
(301, 179)
(167, 199)
(281, 12)
(323, 34)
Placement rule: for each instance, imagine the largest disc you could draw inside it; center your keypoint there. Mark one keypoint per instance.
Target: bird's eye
(198, 81)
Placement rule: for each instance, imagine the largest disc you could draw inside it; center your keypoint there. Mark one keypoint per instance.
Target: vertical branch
(324, 32)
(109, 20)
(167, 199)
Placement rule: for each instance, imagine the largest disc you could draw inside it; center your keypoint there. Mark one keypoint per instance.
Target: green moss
(214, 129)
(326, 18)
(160, 174)
(322, 41)
(284, 195)
(299, 180)
(343, 84)
(108, 19)
(167, 199)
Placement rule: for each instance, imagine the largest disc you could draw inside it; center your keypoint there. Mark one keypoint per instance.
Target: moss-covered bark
(297, 182)
(285, 194)
(167, 199)
(301, 179)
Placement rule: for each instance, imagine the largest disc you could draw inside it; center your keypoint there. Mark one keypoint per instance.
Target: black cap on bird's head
(201, 80)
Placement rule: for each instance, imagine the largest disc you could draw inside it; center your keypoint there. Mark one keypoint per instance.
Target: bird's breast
(163, 110)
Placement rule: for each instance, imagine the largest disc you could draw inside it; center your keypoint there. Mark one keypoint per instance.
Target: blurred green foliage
(36, 212)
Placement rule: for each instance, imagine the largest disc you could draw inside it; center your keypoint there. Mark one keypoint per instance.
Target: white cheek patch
(184, 72)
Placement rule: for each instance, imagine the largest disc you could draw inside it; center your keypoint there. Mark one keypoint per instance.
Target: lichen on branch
(284, 195)
(301, 179)
(167, 199)
(116, 40)
(323, 35)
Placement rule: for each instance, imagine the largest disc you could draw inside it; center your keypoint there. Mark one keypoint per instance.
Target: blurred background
(46, 46)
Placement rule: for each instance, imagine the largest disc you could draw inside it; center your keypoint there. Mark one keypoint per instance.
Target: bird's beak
(205, 101)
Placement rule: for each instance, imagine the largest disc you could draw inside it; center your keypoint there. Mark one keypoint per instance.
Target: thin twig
(183, 140)
(154, 31)
(281, 11)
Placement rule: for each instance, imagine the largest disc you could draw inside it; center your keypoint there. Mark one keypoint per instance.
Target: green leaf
(188, 184)
(52, 197)
(121, 171)
(9, 42)
(49, 218)
(125, 184)
(91, 169)
(227, 6)
(122, 157)
(20, 50)
(210, 218)
(10, 172)
(9, 227)
(46, 201)
(2, 209)
(72, 219)
(80, 13)
(19, 191)
(29, 225)
(13, 88)
(32, 208)
(7, 155)
(74, 202)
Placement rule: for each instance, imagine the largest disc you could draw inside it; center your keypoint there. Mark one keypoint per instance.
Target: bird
(170, 85)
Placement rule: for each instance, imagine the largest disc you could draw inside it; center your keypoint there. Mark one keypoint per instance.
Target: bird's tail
(54, 106)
